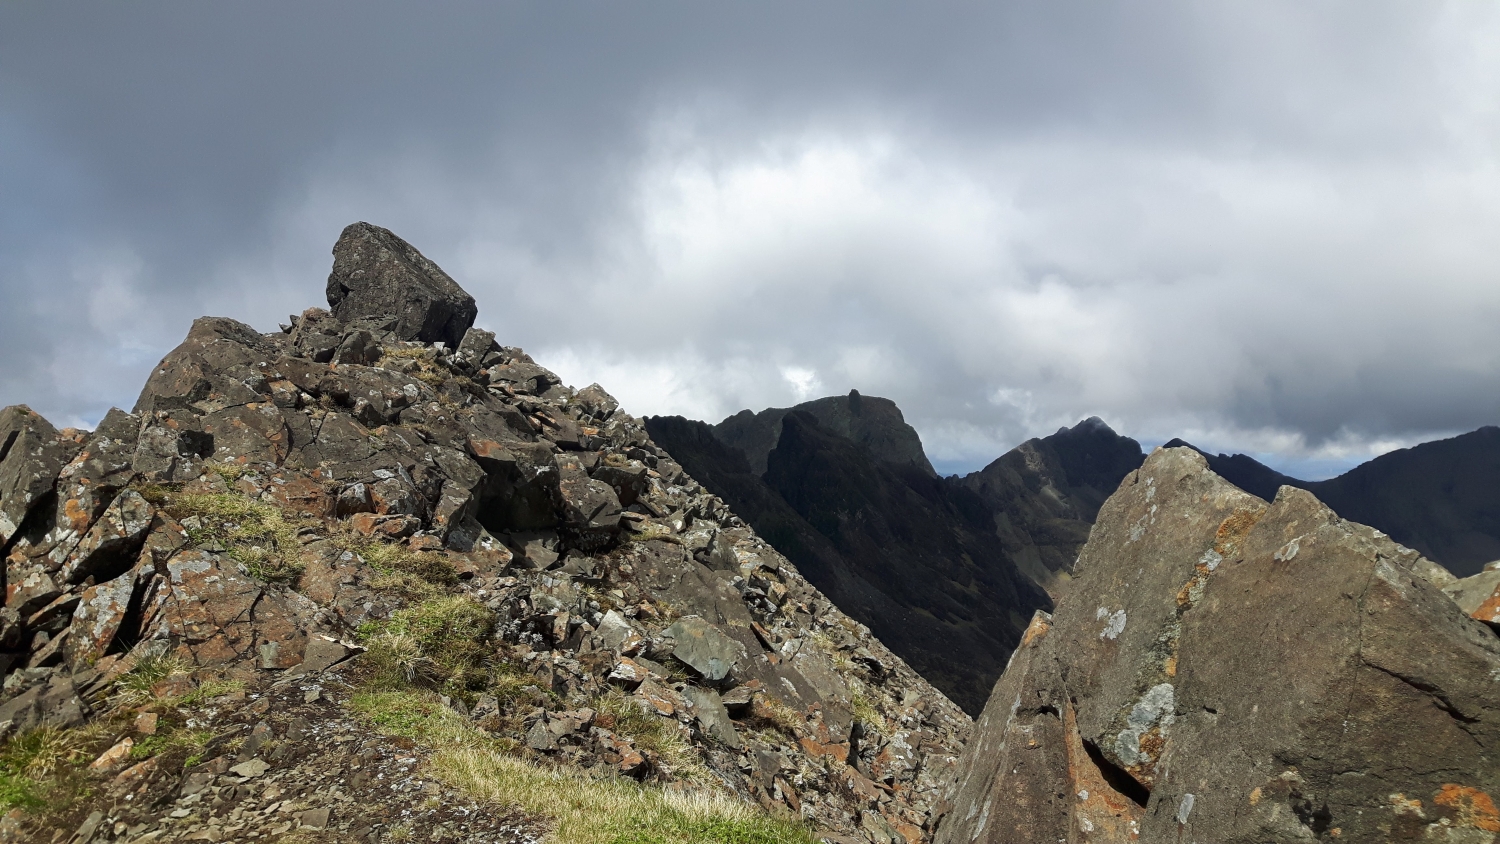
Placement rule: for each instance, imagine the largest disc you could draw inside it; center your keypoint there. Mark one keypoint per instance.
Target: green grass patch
(259, 536)
(441, 643)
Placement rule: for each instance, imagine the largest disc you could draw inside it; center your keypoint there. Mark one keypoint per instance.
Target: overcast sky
(1264, 227)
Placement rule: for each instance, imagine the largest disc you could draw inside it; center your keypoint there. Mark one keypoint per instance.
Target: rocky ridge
(277, 503)
(1223, 668)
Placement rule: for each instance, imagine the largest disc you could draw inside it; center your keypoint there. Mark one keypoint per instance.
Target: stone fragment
(712, 718)
(321, 654)
(477, 343)
(1478, 595)
(703, 648)
(314, 818)
(250, 769)
(98, 618)
(113, 757)
(615, 633)
(377, 274)
(628, 673)
(588, 505)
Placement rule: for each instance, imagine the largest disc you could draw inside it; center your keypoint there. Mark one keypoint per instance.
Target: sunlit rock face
(1224, 669)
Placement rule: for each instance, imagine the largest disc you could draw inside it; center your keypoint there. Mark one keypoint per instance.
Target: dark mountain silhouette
(1441, 498)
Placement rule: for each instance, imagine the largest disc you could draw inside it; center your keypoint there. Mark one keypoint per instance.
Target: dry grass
(583, 809)
(626, 717)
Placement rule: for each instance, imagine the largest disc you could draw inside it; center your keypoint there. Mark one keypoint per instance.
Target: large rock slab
(377, 274)
(32, 452)
(1227, 670)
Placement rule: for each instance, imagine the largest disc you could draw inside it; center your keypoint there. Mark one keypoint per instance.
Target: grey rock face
(1226, 670)
(32, 452)
(376, 274)
(701, 647)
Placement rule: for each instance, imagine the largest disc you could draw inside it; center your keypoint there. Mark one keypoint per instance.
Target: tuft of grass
(259, 536)
(133, 689)
(865, 711)
(43, 771)
(583, 809)
(627, 718)
(439, 643)
(652, 531)
(204, 692)
(398, 566)
(779, 714)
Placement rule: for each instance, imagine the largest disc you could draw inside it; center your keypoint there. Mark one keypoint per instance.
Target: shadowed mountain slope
(870, 421)
(1044, 494)
(911, 555)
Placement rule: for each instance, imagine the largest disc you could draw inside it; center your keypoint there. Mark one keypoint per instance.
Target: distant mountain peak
(870, 421)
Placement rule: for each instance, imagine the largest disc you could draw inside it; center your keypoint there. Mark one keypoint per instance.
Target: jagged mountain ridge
(946, 569)
(1441, 498)
(870, 421)
(278, 503)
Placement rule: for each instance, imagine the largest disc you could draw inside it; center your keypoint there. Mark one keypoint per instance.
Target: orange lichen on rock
(1475, 808)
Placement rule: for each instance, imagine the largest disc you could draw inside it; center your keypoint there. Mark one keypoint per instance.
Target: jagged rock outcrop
(1441, 498)
(1224, 669)
(273, 495)
(906, 553)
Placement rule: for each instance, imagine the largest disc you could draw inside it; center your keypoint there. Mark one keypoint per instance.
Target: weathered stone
(712, 717)
(615, 633)
(321, 654)
(111, 544)
(588, 505)
(703, 648)
(1225, 670)
(98, 618)
(376, 273)
(32, 453)
(218, 615)
(55, 703)
(596, 403)
(1478, 595)
(357, 348)
(477, 343)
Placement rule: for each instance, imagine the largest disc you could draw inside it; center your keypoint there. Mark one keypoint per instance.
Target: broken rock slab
(703, 648)
(1216, 671)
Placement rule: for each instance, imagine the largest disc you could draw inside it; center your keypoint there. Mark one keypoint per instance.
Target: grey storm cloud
(1263, 227)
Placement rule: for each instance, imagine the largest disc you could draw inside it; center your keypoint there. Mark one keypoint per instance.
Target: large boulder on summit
(1223, 669)
(378, 275)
